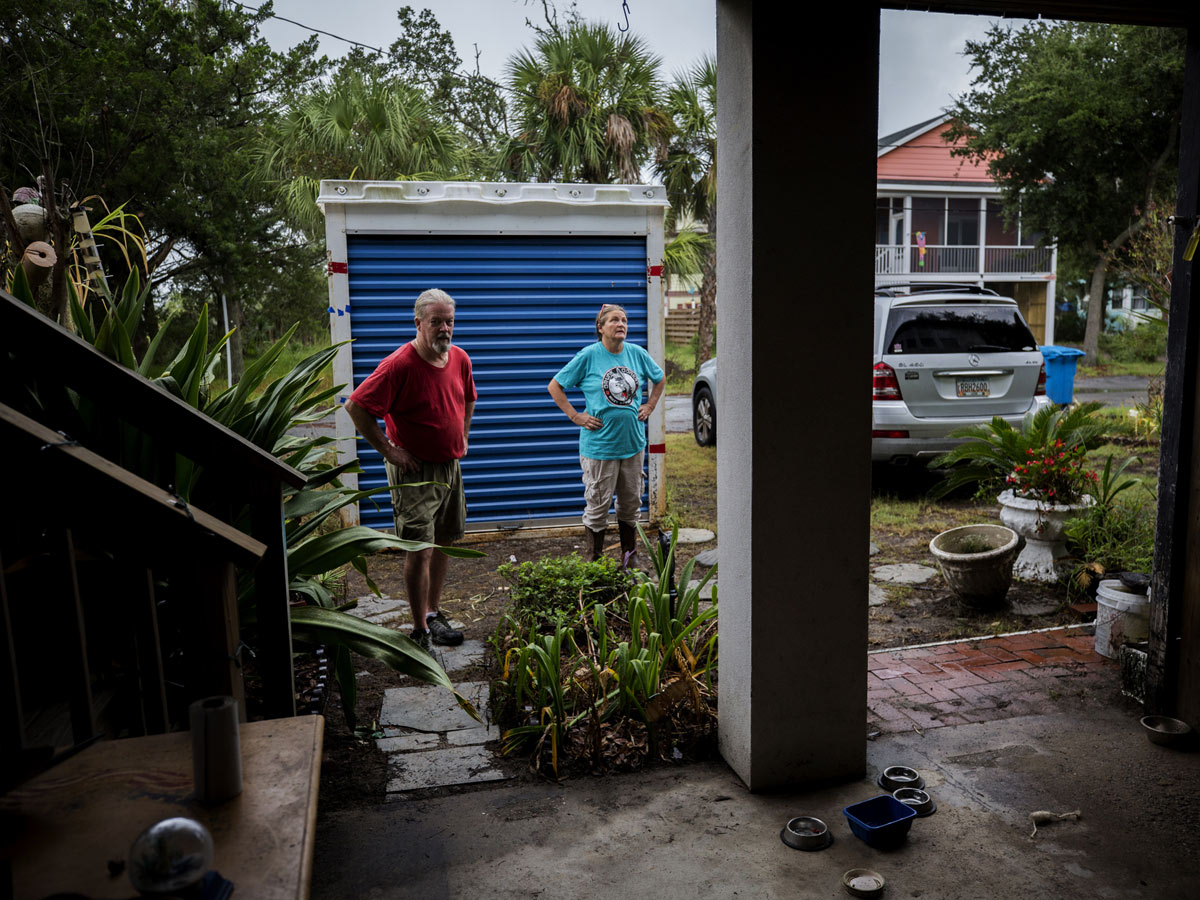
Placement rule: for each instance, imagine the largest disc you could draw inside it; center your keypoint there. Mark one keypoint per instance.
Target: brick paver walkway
(984, 679)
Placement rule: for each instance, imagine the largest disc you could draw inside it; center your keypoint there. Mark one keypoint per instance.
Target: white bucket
(1122, 616)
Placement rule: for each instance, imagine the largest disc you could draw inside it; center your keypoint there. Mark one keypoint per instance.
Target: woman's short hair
(605, 311)
(430, 298)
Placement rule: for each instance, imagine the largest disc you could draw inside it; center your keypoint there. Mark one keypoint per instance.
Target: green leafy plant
(1146, 418)
(991, 453)
(534, 672)
(607, 662)
(1109, 484)
(549, 590)
(1118, 537)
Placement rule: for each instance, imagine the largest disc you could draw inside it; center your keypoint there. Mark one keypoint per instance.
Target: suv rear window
(959, 329)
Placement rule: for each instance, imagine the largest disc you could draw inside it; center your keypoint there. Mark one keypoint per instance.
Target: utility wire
(310, 28)
(347, 40)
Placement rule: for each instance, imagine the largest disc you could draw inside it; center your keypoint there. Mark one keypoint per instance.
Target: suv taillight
(1040, 391)
(884, 384)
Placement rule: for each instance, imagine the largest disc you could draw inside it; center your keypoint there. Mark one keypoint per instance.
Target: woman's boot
(629, 538)
(597, 544)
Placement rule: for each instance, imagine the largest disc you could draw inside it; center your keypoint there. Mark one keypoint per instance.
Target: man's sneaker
(422, 640)
(442, 633)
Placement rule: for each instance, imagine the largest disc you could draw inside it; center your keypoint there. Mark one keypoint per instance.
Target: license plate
(967, 387)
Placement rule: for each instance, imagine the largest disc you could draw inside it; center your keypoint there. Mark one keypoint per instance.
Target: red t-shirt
(422, 406)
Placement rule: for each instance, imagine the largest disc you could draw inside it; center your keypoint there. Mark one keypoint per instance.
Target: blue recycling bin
(1060, 372)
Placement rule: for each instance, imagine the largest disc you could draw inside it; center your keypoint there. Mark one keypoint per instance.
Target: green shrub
(1069, 327)
(555, 588)
(1118, 537)
(1146, 343)
(602, 672)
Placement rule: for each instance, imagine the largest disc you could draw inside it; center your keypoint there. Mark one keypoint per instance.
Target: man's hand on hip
(401, 458)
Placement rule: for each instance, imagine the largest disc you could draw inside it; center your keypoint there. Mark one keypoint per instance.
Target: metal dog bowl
(863, 883)
(806, 833)
(895, 777)
(1166, 731)
(918, 799)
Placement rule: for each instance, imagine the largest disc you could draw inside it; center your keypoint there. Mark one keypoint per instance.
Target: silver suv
(946, 356)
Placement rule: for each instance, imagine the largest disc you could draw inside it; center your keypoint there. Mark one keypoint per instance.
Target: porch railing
(944, 259)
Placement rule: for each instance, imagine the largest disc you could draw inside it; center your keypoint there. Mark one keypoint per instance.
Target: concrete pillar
(795, 188)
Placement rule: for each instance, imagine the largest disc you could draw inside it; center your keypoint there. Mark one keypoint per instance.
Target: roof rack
(931, 287)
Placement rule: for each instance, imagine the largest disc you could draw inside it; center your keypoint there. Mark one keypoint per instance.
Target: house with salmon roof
(941, 218)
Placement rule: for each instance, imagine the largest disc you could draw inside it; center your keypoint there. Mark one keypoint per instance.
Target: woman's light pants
(604, 477)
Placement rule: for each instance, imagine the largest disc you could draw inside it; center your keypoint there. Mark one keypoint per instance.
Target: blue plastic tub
(882, 821)
(1060, 372)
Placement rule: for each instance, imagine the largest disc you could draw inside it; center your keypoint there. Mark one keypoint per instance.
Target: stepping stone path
(431, 742)
(904, 573)
(695, 536)
(708, 558)
(876, 596)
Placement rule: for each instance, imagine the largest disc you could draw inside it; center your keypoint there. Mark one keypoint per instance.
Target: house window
(928, 214)
(999, 234)
(962, 223)
(1139, 302)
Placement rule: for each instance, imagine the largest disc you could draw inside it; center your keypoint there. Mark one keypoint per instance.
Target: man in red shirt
(425, 394)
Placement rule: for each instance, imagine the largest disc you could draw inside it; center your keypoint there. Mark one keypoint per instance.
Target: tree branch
(1151, 182)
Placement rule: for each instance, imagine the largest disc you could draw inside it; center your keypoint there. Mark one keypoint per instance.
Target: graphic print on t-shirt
(620, 386)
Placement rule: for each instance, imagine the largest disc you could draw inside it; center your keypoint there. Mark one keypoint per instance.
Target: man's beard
(441, 343)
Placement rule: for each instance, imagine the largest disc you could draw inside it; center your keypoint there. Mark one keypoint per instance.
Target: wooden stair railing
(241, 472)
(136, 518)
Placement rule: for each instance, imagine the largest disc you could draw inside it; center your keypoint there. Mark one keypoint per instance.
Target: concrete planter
(1041, 524)
(977, 562)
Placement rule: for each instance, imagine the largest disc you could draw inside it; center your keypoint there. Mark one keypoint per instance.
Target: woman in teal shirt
(612, 439)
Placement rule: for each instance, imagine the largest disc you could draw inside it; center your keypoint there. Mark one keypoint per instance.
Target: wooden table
(61, 829)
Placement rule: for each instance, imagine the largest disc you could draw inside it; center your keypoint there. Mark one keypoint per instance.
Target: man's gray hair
(429, 298)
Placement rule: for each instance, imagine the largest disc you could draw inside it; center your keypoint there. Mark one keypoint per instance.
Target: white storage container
(529, 266)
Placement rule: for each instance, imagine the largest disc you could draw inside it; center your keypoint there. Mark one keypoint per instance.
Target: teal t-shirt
(612, 385)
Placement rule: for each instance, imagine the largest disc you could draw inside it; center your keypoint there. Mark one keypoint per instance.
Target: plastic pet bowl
(882, 821)
(1166, 731)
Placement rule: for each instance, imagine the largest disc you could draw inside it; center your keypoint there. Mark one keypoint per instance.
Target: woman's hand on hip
(644, 412)
(583, 420)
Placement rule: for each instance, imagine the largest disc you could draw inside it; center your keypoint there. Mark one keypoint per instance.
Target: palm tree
(587, 108)
(356, 127)
(689, 172)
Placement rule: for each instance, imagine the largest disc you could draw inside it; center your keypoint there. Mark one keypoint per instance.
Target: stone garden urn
(977, 562)
(1041, 524)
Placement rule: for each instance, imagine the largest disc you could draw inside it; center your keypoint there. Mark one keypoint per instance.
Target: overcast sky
(920, 58)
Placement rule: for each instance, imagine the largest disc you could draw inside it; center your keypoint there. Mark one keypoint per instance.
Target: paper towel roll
(216, 749)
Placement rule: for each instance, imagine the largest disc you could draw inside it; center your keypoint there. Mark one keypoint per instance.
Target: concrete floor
(694, 831)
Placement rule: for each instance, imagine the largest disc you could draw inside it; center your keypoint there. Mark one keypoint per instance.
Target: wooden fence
(682, 325)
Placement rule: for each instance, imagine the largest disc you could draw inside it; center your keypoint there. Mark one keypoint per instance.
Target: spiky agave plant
(262, 410)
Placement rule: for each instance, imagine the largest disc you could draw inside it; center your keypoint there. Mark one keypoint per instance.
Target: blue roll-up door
(525, 306)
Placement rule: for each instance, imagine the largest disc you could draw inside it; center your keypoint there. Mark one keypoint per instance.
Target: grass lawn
(691, 476)
(1110, 367)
